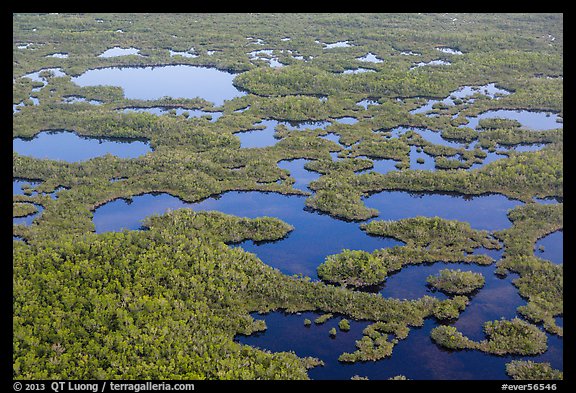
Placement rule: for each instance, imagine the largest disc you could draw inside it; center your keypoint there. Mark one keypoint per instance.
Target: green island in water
(141, 141)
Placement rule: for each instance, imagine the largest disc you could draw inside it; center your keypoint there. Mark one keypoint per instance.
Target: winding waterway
(318, 235)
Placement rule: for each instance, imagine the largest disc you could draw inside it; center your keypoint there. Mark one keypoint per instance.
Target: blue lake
(177, 81)
(70, 147)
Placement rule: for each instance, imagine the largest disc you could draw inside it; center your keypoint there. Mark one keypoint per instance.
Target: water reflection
(482, 212)
(68, 146)
(178, 81)
(551, 247)
(302, 176)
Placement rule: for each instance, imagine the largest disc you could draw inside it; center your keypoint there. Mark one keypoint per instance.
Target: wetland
(402, 190)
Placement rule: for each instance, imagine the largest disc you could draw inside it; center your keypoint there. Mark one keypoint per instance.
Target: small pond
(367, 102)
(482, 211)
(452, 51)
(338, 44)
(532, 120)
(117, 51)
(177, 81)
(19, 183)
(421, 160)
(357, 71)
(551, 247)
(69, 146)
(183, 54)
(257, 137)
(286, 332)
(370, 58)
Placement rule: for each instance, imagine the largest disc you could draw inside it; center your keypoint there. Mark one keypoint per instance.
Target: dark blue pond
(68, 146)
(551, 247)
(177, 81)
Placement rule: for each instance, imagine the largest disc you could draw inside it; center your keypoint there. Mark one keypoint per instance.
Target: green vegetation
(450, 309)
(370, 348)
(322, 318)
(427, 240)
(541, 282)
(456, 281)
(503, 337)
(529, 370)
(352, 267)
(344, 325)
